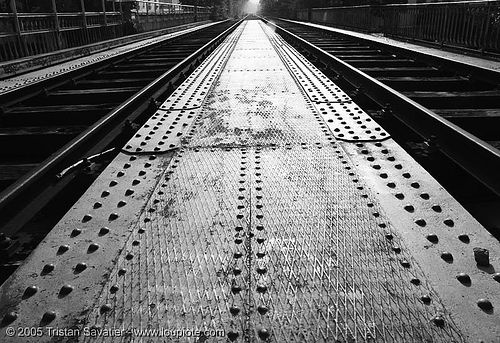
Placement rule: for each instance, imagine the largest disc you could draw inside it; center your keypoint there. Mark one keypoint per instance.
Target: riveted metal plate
(164, 130)
(329, 266)
(191, 93)
(440, 234)
(189, 257)
(317, 86)
(344, 118)
(349, 122)
(247, 232)
(257, 108)
(274, 243)
(68, 267)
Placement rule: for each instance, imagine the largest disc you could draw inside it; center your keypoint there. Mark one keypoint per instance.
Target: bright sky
(252, 6)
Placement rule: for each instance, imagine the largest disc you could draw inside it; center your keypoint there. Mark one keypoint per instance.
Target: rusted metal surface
(262, 227)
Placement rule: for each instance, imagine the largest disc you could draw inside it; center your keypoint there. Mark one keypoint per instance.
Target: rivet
(80, 267)
(129, 256)
(425, 299)
(141, 230)
(464, 238)
(449, 222)
(105, 308)
(113, 216)
(405, 263)
(30, 291)
(432, 238)
(48, 268)
(464, 278)
(234, 310)
(135, 182)
(436, 208)
(438, 321)
(129, 192)
(406, 175)
(75, 232)
(447, 256)
(397, 250)
(120, 174)
(121, 203)
(238, 241)
(135, 243)
(389, 236)
(97, 205)
(62, 249)
(122, 271)
(104, 194)
(65, 290)
(262, 309)
(48, 317)
(103, 231)
(232, 335)
(113, 289)
(261, 288)
(391, 185)
(409, 208)
(93, 247)
(86, 218)
(261, 270)
(425, 196)
(236, 289)
(400, 196)
(113, 183)
(485, 304)
(259, 227)
(236, 271)
(260, 240)
(415, 281)
(420, 222)
(126, 165)
(263, 334)
(482, 257)
(237, 255)
(9, 318)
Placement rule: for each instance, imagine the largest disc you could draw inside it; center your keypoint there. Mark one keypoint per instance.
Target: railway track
(435, 107)
(59, 134)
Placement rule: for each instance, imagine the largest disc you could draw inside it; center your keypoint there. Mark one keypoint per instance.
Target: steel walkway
(261, 201)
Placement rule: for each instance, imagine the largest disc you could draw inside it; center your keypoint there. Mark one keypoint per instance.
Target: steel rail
(47, 171)
(475, 156)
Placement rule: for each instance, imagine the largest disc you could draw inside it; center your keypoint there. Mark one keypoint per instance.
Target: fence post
(85, 35)
(20, 39)
(56, 23)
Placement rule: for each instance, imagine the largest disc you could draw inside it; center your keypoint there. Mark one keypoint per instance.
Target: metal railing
(471, 25)
(154, 14)
(28, 34)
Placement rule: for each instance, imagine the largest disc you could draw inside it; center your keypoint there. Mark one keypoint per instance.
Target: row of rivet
(80, 267)
(438, 319)
(481, 255)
